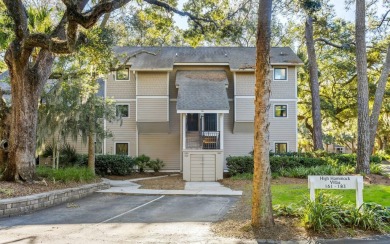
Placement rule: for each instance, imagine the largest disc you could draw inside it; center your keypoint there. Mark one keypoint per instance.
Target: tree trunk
(26, 87)
(4, 130)
(379, 93)
(91, 138)
(363, 150)
(261, 196)
(314, 85)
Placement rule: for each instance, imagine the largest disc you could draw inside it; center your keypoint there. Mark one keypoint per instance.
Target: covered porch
(202, 102)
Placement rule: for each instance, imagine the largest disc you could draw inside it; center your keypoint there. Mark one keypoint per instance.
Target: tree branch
(383, 19)
(19, 15)
(128, 57)
(341, 46)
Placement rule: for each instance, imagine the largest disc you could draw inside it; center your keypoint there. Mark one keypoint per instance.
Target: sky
(339, 7)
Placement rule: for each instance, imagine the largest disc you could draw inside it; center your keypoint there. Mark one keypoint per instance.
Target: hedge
(110, 164)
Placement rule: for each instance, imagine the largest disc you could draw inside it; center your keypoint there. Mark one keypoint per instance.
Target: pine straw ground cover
(237, 222)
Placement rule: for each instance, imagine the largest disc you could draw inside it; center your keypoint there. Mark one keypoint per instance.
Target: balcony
(207, 140)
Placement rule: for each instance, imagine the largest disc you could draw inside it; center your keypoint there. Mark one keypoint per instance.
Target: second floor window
(122, 74)
(280, 110)
(122, 111)
(280, 73)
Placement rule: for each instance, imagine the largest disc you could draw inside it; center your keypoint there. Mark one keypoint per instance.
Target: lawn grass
(287, 194)
(69, 174)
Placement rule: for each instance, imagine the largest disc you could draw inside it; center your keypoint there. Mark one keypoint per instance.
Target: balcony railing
(203, 140)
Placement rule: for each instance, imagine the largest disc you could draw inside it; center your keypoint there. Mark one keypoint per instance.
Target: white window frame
(280, 104)
(128, 75)
(281, 142)
(279, 67)
(128, 105)
(342, 149)
(122, 142)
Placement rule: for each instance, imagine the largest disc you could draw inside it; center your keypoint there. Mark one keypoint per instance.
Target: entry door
(202, 167)
(192, 122)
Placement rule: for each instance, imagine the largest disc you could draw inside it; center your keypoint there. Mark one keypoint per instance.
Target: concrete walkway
(191, 188)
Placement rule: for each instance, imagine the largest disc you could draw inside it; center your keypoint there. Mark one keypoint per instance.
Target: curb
(31, 203)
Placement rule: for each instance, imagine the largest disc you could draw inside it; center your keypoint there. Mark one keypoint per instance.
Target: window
(339, 149)
(280, 148)
(122, 148)
(280, 110)
(122, 74)
(210, 122)
(280, 73)
(122, 111)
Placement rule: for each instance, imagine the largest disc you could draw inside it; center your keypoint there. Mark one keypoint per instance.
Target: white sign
(338, 182)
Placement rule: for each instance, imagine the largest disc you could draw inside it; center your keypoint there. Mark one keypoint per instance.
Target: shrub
(156, 165)
(376, 169)
(68, 154)
(142, 162)
(76, 174)
(109, 164)
(239, 164)
(324, 213)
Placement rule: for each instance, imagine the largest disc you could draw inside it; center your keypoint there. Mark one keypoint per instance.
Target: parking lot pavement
(111, 218)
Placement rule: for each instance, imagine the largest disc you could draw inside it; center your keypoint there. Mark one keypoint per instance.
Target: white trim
(202, 111)
(125, 100)
(284, 100)
(128, 110)
(280, 67)
(235, 109)
(168, 110)
(242, 70)
(167, 84)
(296, 82)
(128, 73)
(235, 82)
(296, 126)
(152, 97)
(281, 142)
(221, 130)
(279, 104)
(184, 129)
(152, 70)
(136, 84)
(201, 64)
(290, 64)
(128, 146)
(136, 141)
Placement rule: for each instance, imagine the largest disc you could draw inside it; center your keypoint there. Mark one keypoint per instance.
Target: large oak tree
(261, 196)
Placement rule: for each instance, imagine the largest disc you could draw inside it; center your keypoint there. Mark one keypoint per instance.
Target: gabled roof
(202, 91)
(238, 58)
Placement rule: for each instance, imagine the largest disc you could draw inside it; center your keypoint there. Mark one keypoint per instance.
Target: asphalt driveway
(113, 218)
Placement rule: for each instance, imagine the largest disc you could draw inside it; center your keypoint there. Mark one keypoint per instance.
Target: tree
(310, 7)
(29, 75)
(367, 125)
(261, 194)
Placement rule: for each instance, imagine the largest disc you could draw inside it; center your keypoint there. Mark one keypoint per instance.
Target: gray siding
(283, 129)
(164, 146)
(245, 109)
(120, 89)
(235, 144)
(284, 89)
(123, 133)
(152, 84)
(245, 84)
(152, 109)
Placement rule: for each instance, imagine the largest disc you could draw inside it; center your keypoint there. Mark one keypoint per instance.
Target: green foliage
(300, 165)
(110, 164)
(69, 174)
(68, 154)
(324, 213)
(142, 162)
(156, 165)
(290, 210)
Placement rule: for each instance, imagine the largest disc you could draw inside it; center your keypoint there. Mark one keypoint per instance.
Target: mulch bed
(171, 182)
(15, 189)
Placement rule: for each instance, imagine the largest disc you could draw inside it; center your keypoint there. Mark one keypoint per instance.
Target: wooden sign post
(337, 182)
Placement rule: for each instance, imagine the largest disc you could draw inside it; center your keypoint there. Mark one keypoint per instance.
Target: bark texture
(363, 152)
(314, 86)
(261, 196)
(379, 93)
